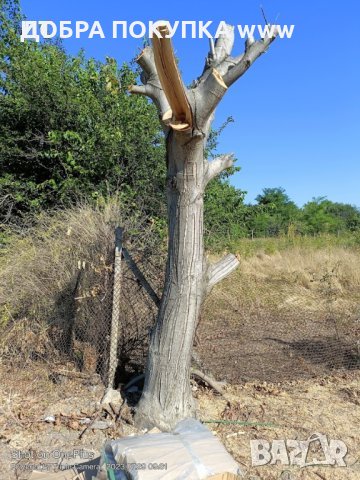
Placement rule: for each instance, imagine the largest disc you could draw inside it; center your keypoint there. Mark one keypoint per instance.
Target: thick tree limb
(219, 50)
(208, 95)
(253, 52)
(222, 70)
(171, 81)
(224, 44)
(219, 164)
(210, 87)
(139, 90)
(157, 96)
(147, 63)
(228, 63)
(152, 87)
(221, 269)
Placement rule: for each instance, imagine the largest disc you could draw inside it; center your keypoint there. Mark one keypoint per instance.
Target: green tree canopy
(273, 213)
(323, 216)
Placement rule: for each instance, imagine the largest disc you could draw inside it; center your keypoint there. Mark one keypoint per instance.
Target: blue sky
(296, 112)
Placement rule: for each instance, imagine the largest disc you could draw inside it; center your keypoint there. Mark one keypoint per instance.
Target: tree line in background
(69, 130)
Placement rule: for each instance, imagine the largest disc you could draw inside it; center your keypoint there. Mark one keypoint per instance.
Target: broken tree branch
(227, 63)
(218, 165)
(171, 81)
(221, 269)
(139, 90)
(152, 87)
(217, 386)
(263, 14)
(156, 95)
(147, 63)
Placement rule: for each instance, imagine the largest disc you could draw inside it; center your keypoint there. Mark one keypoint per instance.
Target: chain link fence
(110, 314)
(101, 323)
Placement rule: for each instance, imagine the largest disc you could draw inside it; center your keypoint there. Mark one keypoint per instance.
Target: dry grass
(307, 279)
(271, 245)
(34, 268)
(38, 273)
(295, 280)
(40, 270)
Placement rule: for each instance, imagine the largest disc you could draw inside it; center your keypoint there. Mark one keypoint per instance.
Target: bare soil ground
(294, 410)
(297, 410)
(283, 332)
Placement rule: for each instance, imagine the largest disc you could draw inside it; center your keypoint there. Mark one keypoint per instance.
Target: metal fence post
(115, 317)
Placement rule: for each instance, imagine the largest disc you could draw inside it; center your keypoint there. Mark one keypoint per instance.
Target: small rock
(73, 424)
(50, 419)
(85, 421)
(100, 425)
(112, 396)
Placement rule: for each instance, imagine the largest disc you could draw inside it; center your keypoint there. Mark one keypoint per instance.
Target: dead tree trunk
(186, 115)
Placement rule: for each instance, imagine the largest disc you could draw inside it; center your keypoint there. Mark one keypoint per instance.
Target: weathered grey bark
(186, 115)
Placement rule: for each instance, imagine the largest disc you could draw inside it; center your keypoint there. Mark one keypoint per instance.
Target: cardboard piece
(190, 452)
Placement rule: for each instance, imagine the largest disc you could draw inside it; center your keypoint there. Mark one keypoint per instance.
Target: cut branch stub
(221, 269)
(171, 81)
(218, 165)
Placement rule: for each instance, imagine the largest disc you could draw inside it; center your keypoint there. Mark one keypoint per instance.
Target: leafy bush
(69, 128)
